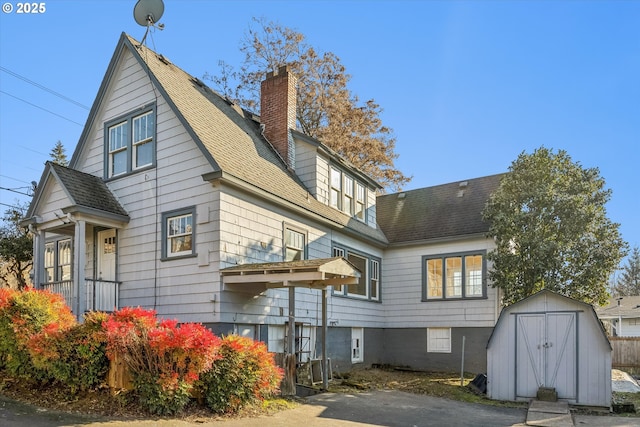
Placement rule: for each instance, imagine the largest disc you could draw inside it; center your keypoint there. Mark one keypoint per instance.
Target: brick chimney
(278, 111)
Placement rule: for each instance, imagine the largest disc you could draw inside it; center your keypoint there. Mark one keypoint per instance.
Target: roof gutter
(220, 177)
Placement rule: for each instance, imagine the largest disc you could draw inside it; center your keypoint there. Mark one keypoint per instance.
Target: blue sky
(465, 85)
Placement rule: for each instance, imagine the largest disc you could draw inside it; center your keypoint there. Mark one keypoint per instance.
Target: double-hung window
(57, 260)
(130, 142)
(294, 244)
(335, 192)
(361, 193)
(454, 276)
(368, 285)
(178, 232)
(347, 194)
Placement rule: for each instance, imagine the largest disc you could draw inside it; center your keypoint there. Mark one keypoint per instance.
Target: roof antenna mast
(147, 13)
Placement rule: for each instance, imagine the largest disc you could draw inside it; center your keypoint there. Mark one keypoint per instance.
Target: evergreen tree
(58, 154)
(628, 282)
(549, 222)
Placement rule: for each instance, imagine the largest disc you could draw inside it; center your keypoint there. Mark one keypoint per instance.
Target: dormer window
(335, 193)
(130, 143)
(347, 194)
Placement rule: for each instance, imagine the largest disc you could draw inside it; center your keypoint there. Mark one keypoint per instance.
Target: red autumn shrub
(164, 358)
(245, 372)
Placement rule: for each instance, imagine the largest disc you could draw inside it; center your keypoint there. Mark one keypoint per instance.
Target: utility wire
(11, 206)
(43, 109)
(14, 191)
(38, 85)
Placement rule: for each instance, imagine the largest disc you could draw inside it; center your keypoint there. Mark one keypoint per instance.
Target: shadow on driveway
(377, 408)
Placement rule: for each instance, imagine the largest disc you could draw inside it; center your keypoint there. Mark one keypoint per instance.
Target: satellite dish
(148, 12)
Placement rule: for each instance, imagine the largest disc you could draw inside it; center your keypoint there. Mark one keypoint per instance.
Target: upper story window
(368, 285)
(347, 194)
(57, 260)
(294, 244)
(335, 193)
(178, 233)
(130, 143)
(454, 276)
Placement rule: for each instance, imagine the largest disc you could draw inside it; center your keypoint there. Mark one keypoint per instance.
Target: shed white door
(546, 354)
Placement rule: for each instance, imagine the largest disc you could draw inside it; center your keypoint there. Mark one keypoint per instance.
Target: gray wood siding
(252, 232)
(305, 166)
(402, 291)
(182, 288)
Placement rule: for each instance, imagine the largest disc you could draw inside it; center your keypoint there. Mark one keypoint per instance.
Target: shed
(552, 341)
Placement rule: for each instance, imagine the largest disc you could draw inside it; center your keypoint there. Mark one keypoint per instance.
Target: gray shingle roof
(629, 307)
(86, 190)
(231, 139)
(443, 211)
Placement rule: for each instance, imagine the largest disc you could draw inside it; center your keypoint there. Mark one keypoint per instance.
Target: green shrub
(162, 397)
(75, 357)
(24, 314)
(244, 373)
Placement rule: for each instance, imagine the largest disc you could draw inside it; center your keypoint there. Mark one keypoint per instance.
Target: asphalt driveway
(376, 408)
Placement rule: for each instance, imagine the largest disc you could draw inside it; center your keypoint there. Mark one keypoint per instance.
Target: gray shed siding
(591, 365)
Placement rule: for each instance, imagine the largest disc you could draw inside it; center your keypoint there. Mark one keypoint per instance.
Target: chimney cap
(282, 69)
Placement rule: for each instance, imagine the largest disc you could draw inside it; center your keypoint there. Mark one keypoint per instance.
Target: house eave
(220, 177)
(97, 215)
(422, 242)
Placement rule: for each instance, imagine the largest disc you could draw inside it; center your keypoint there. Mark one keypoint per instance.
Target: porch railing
(102, 295)
(63, 287)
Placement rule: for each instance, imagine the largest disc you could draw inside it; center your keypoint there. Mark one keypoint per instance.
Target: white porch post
(38, 258)
(79, 261)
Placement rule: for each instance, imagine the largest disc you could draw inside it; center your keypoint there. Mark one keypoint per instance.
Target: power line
(14, 191)
(14, 179)
(11, 206)
(38, 85)
(43, 109)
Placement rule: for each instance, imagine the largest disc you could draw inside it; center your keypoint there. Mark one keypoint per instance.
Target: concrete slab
(549, 407)
(549, 414)
(547, 419)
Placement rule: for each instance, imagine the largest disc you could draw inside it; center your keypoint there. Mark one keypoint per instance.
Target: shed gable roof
(588, 308)
(439, 212)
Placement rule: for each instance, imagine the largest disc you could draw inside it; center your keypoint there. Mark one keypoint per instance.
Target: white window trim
(438, 340)
(357, 345)
(285, 246)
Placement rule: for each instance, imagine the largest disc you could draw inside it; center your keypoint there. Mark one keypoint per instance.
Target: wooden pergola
(313, 273)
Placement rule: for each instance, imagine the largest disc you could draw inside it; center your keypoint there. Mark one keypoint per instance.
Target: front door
(107, 255)
(546, 354)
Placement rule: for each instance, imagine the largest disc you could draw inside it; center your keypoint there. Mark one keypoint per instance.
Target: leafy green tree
(628, 282)
(58, 154)
(326, 108)
(551, 230)
(16, 250)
